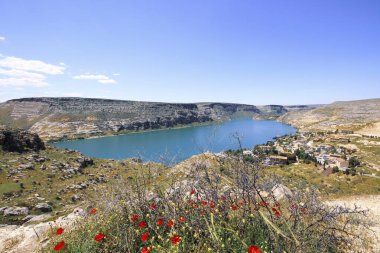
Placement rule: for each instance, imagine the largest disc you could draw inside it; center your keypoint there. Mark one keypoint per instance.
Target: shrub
(203, 212)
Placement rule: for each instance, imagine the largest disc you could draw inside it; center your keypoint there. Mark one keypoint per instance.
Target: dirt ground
(372, 203)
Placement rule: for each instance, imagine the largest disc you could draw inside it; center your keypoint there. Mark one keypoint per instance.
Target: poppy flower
(159, 222)
(204, 202)
(254, 249)
(142, 224)
(223, 198)
(93, 210)
(274, 209)
(234, 208)
(277, 213)
(176, 239)
(99, 237)
(145, 250)
(144, 237)
(59, 246)
(212, 205)
(263, 203)
(153, 206)
(182, 219)
(170, 223)
(194, 205)
(134, 218)
(59, 231)
(192, 192)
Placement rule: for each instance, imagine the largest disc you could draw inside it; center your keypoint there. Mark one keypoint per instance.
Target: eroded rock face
(19, 141)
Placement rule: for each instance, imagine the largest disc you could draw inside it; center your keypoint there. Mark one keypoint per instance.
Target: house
(342, 164)
(276, 159)
(340, 139)
(264, 147)
(247, 152)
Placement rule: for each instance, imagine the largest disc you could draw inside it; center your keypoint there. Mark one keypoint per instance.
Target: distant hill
(54, 118)
(362, 116)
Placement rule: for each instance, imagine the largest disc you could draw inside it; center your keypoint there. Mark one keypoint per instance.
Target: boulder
(280, 191)
(16, 211)
(44, 207)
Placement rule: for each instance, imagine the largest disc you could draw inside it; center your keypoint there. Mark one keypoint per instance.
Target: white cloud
(2, 38)
(18, 72)
(20, 82)
(116, 74)
(31, 65)
(99, 78)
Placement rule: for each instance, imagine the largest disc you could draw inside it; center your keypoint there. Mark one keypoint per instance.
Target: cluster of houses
(313, 145)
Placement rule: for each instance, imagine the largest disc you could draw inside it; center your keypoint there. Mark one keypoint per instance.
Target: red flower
(153, 206)
(170, 223)
(99, 237)
(59, 231)
(194, 205)
(274, 210)
(144, 237)
(278, 214)
(182, 219)
(234, 208)
(176, 239)
(159, 222)
(143, 224)
(223, 198)
(212, 205)
(192, 191)
(263, 203)
(145, 250)
(204, 202)
(93, 210)
(59, 246)
(134, 218)
(253, 249)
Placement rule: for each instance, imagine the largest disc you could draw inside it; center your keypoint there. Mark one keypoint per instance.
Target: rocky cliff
(19, 141)
(54, 118)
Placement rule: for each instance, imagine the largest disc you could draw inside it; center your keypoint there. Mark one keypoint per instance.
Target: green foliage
(353, 162)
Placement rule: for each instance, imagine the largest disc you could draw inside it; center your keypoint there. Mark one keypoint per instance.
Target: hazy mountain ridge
(54, 118)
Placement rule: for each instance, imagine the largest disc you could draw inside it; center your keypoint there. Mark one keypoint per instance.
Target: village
(330, 151)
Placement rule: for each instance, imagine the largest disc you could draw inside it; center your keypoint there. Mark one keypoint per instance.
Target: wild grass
(204, 211)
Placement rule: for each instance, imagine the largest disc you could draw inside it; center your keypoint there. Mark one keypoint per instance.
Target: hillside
(54, 118)
(361, 116)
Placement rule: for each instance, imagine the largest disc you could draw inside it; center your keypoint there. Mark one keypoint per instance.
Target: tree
(353, 162)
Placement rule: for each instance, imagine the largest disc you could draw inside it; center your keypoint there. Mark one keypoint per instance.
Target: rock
(20, 239)
(28, 166)
(76, 198)
(16, 211)
(28, 217)
(37, 218)
(280, 191)
(19, 141)
(44, 207)
(2, 209)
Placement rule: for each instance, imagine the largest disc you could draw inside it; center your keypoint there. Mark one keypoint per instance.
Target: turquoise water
(175, 145)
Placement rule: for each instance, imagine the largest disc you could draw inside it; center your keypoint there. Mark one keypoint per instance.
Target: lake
(175, 145)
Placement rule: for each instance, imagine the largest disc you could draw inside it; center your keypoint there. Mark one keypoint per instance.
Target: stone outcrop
(19, 141)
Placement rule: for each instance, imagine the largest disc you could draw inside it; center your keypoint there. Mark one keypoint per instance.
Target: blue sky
(243, 51)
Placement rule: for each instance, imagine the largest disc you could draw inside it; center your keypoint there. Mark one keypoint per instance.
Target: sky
(241, 51)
